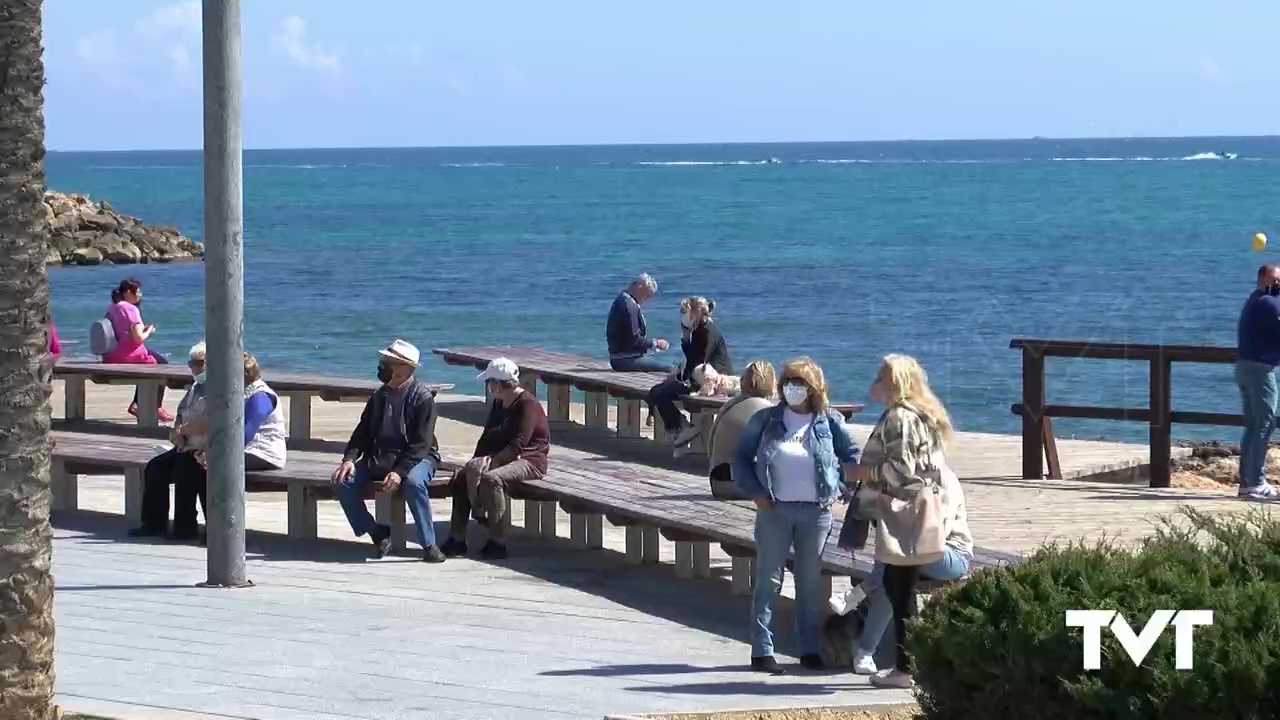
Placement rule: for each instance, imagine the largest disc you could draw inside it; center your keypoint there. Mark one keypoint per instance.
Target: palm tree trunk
(26, 585)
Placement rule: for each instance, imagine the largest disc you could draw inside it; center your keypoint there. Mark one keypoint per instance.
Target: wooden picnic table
(561, 372)
(300, 388)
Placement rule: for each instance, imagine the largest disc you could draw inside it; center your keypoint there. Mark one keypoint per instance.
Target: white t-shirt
(794, 473)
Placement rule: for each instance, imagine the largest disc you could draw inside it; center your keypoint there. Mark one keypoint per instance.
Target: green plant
(997, 646)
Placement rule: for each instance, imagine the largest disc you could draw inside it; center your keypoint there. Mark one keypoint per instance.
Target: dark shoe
(767, 664)
(432, 554)
(145, 531)
(453, 548)
(493, 551)
(381, 537)
(812, 661)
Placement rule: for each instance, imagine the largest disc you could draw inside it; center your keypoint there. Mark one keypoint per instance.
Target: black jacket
(403, 456)
(705, 345)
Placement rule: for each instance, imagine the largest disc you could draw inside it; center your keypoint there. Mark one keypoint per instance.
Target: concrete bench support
(558, 402)
(693, 559)
(740, 578)
(597, 412)
(302, 513)
(389, 509)
(529, 381)
(75, 398)
(148, 403)
(629, 418)
(299, 416)
(133, 495)
(65, 487)
(532, 517)
(635, 544)
(547, 523)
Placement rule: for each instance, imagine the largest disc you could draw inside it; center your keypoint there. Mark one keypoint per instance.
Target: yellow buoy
(1259, 242)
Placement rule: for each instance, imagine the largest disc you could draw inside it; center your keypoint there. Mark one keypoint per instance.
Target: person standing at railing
(55, 347)
(1258, 354)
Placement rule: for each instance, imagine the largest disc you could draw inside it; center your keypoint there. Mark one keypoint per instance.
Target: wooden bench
(306, 478)
(561, 373)
(301, 389)
(653, 503)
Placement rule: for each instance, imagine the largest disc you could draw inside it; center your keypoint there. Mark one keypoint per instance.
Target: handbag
(910, 531)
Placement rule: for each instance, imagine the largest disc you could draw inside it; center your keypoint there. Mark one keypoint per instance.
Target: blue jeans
(951, 566)
(414, 487)
(804, 526)
(644, 363)
(1258, 396)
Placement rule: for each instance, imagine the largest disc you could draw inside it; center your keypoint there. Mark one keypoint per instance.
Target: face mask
(795, 394)
(1274, 290)
(199, 378)
(384, 374)
(686, 321)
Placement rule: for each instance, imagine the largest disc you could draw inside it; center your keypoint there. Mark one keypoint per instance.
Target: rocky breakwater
(83, 232)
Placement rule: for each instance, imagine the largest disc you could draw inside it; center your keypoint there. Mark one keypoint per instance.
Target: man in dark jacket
(629, 342)
(393, 446)
(1258, 355)
(513, 448)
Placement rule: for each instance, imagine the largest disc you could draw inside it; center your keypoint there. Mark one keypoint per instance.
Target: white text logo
(1138, 646)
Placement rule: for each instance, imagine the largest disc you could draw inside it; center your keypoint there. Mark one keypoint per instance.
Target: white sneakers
(864, 664)
(685, 436)
(844, 603)
(1264, 491)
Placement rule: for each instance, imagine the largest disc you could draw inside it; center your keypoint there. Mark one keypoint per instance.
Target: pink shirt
(123, 316)
(55, 347)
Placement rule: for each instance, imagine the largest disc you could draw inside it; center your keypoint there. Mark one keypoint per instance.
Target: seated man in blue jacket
(393, 446)
(629, 342)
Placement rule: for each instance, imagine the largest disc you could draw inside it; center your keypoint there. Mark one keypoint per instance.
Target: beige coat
(729, 424)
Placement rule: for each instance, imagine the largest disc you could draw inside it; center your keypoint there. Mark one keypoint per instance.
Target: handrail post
(1033, 403)
(1161, 428)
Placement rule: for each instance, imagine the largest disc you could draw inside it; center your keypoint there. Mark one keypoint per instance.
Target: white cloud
(291, 40)
(180, 18)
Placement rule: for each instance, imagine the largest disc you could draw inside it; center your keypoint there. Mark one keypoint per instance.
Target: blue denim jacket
(830, 441)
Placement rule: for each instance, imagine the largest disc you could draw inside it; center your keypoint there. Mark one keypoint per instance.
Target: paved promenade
(552, 632)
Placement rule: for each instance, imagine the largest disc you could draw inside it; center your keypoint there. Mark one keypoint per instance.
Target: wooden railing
(1038, 442)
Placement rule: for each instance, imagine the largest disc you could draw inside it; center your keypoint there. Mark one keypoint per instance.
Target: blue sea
(841, 251)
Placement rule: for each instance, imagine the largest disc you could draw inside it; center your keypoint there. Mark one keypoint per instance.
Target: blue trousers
(805, 527)
(951, 566)
(350, 494)
(1258, 397)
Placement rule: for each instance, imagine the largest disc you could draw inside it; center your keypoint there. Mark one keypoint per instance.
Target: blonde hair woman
(755, 393)
(788, 461)
(902, 457)
(702, 342)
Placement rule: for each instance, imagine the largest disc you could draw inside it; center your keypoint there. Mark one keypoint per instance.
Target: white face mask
(686, 321)
(794, 394)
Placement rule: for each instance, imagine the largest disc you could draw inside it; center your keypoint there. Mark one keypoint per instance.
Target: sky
(125, 74)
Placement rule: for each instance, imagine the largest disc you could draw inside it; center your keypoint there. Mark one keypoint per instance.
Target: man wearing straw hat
(393, 447)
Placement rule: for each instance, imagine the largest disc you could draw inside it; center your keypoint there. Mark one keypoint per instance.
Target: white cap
(402, 352)
(500, 369)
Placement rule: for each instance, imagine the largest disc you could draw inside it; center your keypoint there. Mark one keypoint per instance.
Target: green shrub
(997, 647)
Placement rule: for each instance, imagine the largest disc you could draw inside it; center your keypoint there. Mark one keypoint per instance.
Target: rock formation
(83, 232)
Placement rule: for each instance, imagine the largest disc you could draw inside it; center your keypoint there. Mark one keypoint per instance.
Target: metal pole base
(247, 584)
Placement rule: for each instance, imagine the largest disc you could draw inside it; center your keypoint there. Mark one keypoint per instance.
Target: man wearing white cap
(512, 448)
(393, 446)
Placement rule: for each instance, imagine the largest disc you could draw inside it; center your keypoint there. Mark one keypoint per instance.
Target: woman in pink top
(55, 347)
(131, 336)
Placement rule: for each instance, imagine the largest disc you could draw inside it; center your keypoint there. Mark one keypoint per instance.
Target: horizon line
(1036, 138)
